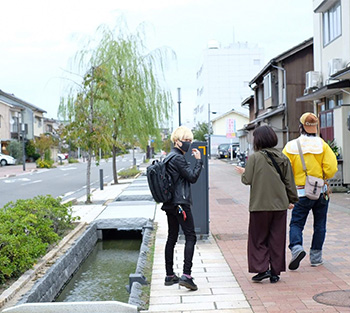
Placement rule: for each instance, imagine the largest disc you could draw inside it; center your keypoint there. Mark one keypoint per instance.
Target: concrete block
(74, 307)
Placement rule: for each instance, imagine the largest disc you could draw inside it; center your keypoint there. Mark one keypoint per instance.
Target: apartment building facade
(328, 84)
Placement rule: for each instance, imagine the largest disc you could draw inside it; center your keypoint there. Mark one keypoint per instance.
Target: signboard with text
(231, 128)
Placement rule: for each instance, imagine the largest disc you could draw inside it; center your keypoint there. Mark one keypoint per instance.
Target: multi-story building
(276, 88)
(18, 118)
(223, 78)
(328, 85)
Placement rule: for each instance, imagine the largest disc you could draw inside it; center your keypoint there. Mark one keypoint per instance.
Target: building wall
(219, 125)
(5, 133)
(339, 48)
(223, 77)
(296, 67)
(38, 124)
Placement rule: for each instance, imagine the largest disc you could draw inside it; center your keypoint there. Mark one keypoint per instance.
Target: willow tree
(84, 110)
(122, 97)
(134, 89)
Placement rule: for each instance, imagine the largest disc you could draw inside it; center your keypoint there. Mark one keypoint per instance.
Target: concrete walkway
(220, 263)
(296, 290)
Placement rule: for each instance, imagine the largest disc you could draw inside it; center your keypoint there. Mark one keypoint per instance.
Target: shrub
(131, 172)
(44, 163)
(27, 228)
(72, 160)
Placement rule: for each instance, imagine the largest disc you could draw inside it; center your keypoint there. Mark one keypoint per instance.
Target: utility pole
(179, 102)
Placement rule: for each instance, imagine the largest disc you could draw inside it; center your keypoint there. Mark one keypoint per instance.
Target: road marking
(32, 182)
(10, 181)
(68, 168)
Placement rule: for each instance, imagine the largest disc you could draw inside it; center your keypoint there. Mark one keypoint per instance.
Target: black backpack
(159, 180)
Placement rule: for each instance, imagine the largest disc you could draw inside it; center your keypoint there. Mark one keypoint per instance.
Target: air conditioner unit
(334, 66)
(313, 80)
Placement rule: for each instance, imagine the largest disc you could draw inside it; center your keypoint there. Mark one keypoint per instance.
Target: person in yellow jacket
(320, 162)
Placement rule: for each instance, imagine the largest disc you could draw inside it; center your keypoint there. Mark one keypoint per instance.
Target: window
(38, 121)
(330, 103)
(331, 24)
(260, 99)
(267, 86)
(339, 100)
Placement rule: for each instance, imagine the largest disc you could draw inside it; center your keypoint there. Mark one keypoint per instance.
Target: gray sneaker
(296, 259)
(316, 257)
(188, 283)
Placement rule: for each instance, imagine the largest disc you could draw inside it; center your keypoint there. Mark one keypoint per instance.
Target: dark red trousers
(267, 241)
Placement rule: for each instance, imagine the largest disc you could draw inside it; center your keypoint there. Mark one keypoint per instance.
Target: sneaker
(187, 282)
(294, 263)
(261, 276)
(274, 279)
(171, 280)
(315, 264)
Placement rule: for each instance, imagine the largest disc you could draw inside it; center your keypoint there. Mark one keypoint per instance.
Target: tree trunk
(114, 162)
(88, 177)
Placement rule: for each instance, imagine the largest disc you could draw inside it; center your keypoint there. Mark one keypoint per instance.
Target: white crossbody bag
(313, 185)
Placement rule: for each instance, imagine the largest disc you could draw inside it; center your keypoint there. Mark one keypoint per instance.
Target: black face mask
(185, 145)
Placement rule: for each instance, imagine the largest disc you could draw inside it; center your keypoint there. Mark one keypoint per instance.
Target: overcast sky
(39, 37)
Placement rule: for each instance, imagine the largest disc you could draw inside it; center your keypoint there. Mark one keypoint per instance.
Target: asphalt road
(67, 181)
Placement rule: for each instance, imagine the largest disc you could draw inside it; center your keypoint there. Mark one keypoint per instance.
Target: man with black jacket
(178, 210)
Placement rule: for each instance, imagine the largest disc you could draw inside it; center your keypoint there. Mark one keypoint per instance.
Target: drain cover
(336, 298)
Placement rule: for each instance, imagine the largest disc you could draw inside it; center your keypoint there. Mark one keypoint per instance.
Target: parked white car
(6, 160)
(62, 156)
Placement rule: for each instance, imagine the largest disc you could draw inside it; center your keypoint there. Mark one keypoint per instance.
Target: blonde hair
(181, 133)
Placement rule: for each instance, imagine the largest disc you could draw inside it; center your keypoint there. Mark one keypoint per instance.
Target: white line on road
(32, 182)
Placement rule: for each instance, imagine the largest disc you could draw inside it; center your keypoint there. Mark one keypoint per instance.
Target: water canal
(105, 273)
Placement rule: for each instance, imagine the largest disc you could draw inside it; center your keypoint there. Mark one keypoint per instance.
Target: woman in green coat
(272, 192)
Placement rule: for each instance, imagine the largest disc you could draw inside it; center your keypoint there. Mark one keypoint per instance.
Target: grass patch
(146, 289)
(129, 173)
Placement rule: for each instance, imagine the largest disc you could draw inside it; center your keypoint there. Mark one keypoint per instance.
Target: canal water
(105, 273)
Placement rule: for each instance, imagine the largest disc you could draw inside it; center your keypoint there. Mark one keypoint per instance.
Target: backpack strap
(275, 164)
(169, 157)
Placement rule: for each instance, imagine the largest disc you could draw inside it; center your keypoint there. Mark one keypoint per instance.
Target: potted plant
(336, 149)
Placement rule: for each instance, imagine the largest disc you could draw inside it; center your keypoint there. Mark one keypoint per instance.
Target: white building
(328, 86)
(223, 78)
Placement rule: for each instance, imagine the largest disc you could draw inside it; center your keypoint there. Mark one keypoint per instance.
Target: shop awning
(325, 91)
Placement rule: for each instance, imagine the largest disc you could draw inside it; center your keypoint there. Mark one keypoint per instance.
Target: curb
(12, 291)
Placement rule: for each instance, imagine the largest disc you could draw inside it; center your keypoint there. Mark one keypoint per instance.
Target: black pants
(174, 220)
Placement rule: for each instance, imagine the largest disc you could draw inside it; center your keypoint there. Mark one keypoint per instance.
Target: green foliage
(72, 160)
(201, 131)
(27, 228)
(15, 149)
(334, 147)
(44, 163)
(131, 172)
(43, 145)
(121, 98)
(31, 151)
(167, 145)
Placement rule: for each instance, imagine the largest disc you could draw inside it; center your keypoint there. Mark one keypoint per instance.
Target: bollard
(101, 179)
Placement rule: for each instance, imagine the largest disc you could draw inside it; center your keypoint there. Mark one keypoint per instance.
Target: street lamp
(209, 141)
(179, 102)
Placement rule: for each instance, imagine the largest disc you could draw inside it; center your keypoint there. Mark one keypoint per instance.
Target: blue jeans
(300, 212)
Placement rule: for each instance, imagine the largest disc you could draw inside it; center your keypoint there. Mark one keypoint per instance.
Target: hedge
(27, 229)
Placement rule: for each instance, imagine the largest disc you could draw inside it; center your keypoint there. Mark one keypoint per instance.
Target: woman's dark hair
(264, 137)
